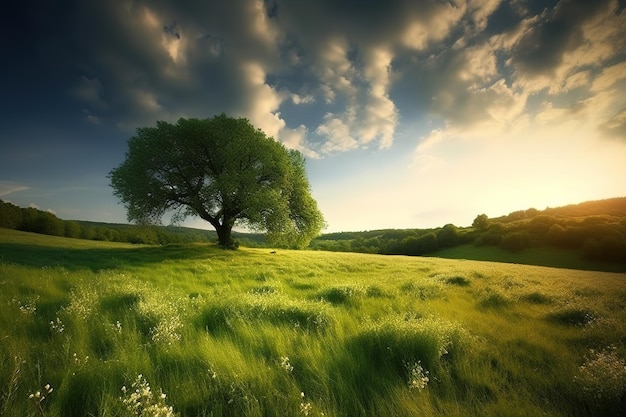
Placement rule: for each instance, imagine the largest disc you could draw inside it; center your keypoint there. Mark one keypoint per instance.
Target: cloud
(616, 125)
(337, 131)
(89, 90)
(91, 118)
(357, 68)
(10, 187)
(562, 41)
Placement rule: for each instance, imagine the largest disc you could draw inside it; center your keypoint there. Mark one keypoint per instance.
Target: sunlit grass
(250, 333)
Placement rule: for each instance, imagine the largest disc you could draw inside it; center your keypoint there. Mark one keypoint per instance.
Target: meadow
(109, 329)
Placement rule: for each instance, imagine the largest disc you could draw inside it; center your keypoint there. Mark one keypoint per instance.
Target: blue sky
(412, 114)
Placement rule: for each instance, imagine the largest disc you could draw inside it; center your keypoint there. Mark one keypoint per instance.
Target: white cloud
(609, 77)
(299, 99)
(335, 70)
(481, 10)
(264, 101)
(297, 139)
(432, 24)
(369, 114)
(479, 64)
(380, 114)
(337, 130)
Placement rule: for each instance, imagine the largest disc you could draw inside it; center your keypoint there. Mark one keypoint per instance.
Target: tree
(448, 236)
(222, 170)
(481, 222)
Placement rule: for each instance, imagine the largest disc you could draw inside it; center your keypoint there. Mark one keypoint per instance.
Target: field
(107, 329)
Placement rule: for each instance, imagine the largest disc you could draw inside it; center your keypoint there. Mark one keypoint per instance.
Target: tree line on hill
(43, 222)
(597, 228)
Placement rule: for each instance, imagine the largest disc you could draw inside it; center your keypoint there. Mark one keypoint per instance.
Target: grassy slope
(245, 333)
(541, 256)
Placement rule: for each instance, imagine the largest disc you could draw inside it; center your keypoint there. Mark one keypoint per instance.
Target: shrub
(448, 236)
(425, 244)
(541, 224)
(607, 248)
(515, 241)
(489, 239)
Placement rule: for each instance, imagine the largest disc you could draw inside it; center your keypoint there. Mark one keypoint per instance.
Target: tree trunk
(225, 236)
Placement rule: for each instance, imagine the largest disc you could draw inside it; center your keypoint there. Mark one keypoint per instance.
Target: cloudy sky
(412, 114)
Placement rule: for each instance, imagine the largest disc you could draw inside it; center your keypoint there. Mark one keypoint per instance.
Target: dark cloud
(559, 30)
(503, 19)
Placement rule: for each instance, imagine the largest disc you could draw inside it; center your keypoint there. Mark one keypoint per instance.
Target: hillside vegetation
(108, 329)
(589, 235)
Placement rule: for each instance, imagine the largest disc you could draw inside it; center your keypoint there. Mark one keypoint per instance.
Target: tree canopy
(222, 170)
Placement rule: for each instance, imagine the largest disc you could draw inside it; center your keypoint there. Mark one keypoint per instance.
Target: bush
(515, 241)
(448, 236)
(489, 239)
(540, 225)
(606, 248)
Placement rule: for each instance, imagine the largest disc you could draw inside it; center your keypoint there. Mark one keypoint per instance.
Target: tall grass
(90, 329)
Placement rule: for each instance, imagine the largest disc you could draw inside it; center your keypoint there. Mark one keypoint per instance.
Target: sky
(411, 114)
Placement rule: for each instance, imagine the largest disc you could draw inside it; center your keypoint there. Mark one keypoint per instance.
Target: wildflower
(167, 330)
(57, 326)
(418, 378)
(142, 403)
(38, 398)
(603, 375)
(305, 407)
(284, 363)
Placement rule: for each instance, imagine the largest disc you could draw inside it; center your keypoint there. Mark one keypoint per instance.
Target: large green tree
(222, 170)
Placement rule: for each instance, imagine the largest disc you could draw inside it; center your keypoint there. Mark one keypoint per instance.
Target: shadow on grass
(97, 259)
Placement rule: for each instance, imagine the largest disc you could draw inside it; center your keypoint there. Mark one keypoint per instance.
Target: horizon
(410, 114)
(324, 232)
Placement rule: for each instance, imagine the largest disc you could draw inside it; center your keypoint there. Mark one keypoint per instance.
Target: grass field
(102, 329)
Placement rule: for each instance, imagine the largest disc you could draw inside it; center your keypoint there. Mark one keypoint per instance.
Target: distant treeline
(598, 228)
(38, 221)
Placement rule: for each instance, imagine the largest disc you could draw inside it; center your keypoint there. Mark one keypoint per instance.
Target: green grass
(250, 333)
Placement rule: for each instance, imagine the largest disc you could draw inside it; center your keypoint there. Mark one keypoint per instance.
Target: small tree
(481, 222)
(448, 236)
(222, 170)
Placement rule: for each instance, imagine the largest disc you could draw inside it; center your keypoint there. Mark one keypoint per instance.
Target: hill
(38, 221)
(590, 235)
